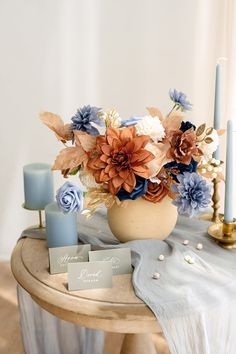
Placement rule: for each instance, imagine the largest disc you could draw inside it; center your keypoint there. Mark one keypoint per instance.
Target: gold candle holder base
(40, 225)
(224, 233)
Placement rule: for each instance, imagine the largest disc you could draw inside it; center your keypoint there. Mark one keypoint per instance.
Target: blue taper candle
(38, 185)
(218, 101)
(61, 229)
(229, 178)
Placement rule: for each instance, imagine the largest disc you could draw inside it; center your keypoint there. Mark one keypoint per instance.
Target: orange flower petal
(106, 149)
(117, 181)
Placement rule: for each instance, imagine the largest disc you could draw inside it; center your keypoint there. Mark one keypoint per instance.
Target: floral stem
(175, 105)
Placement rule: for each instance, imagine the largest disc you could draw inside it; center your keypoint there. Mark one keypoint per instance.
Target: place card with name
(120, 258)
(59, 257)
(89, 275)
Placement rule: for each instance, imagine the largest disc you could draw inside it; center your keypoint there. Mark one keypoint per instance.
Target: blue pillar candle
(229, 175)
(217, 107)
(38, 185)
(61, 229)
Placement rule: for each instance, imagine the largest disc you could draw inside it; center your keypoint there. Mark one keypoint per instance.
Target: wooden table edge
(88, 313)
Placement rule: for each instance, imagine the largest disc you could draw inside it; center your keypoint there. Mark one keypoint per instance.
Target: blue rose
(179, 168)
(186, 126)
(69, 198)
(139, 190)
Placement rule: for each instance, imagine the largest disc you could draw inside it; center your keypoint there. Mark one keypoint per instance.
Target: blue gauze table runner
(195, 304)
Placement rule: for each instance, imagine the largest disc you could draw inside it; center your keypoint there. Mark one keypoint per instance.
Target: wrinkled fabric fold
(195, 304)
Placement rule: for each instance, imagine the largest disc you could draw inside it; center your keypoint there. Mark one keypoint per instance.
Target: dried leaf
(87, 141)
(209, 131)
(56, 124)
(155, 112)
(201, 129)
(69, 159)
(173, 121)
(208, 140)
(220, 131)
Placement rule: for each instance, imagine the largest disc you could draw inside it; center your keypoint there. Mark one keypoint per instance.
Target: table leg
(138, 344)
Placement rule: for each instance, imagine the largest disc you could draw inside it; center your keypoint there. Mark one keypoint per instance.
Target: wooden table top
(113, 310)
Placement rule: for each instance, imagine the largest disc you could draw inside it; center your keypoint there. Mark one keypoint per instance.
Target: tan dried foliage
(56, 124)
(69, 159)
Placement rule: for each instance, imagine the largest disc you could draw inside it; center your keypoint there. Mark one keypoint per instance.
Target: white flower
(208, 149)
(151, 126)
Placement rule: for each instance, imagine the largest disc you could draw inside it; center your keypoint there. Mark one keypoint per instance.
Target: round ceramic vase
(142, 219)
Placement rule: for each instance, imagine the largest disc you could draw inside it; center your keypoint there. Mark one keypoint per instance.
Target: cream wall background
(60, 54)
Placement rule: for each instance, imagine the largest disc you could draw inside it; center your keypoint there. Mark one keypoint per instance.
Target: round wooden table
(113, 310)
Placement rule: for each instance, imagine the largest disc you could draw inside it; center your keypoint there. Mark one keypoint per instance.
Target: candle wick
(220, 59)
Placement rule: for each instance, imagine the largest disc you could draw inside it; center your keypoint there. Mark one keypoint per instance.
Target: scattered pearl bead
(209, 168)
(220, 169)
(156, 275)
(217, 162)
(199, 246)
(187, 258)
(203, 170)
(216, 169)
(213, 160)
(214, 175)
(161, 257)
(185, 242)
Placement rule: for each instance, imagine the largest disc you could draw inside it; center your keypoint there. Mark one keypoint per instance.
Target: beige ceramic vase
(142, 219)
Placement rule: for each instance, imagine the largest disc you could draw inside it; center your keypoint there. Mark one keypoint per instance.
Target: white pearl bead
(209, 168)
(185, 242)
(199, 246)
(213, 160)
(220, 169)
(156, 275)
(217, 162)
(216, 169)
(203, 170)
(187, 258)
(214, 175)
(191, 261)
(161, 257)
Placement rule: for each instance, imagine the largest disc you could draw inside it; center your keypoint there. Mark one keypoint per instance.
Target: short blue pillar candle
(61, 229)
(38, 185)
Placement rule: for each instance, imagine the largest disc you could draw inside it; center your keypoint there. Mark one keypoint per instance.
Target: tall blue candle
(38, 185)
(218, 101)
(61, 229)
(229, 178)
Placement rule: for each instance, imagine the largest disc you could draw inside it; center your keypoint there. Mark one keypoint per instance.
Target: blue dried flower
(84, 119)
(186, 126)
(69, 198)
(130, 121)
(180, 100)
(194, 194)
(179, 168)
(139, 190)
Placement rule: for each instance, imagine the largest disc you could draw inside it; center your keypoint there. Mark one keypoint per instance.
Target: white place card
(59, 257)
(89, 275)
(120, 258)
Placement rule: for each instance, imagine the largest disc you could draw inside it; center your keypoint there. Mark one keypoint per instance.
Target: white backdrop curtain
(58, 55)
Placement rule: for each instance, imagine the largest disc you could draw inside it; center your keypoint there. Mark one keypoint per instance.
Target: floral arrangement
(146, 157)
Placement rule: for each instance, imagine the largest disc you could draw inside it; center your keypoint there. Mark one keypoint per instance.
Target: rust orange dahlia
(118, 157)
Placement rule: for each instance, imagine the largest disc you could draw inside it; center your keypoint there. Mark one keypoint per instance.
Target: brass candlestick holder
(40, 213)
(224, 233)
(213, 216)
